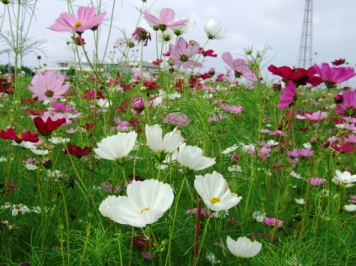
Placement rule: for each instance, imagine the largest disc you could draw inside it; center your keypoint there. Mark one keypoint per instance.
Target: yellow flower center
(77, 24)
(214, 200)
(144, 209)
(18, 207)
(20, 137)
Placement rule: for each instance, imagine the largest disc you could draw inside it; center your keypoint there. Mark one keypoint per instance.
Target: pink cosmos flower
(350, 139)
(334, 75)
(235, 109)
(239, 66)
(342, 147)
(176, 119)
(121, 125)
(273, 222)
(316, 116)
(48, 86)
(183, 52)
(287, 96)
(300, 152)
(164, 20)
(61, 107)
(348, 105)
(86, 19)
(316, 181)
(353, 199)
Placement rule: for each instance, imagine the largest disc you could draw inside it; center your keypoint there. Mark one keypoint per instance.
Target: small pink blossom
(176, 119)
(195, 210)
(316, 116)
(235, 109)
(273, 222)
(316, 181)
(300, 152)
(239, 66)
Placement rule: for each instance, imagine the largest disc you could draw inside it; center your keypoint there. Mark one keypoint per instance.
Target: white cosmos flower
(192, 157)
(161, 146)
(145, 203)
(105, 206)
(243, 247)
(344, 177)
(215, 193)
(56, 140)
(230, 149)
(350, 207)
(117, 146)
(19, 208)
(214, 29)
(300, 201)
(184, 28)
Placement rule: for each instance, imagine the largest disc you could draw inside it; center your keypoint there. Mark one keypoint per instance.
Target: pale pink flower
(316, 116)
(239, 66)
(176, 119)
(86, 19)
(273, 222)
(235, 109)
(316, 181)
(121, 125)
(182, 54)
(164, 20)
(48, 86)
(300, 152)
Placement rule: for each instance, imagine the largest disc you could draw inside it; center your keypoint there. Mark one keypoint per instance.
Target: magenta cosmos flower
(86, 19)
(287, 96)
(348, 105)
(164, 19)
(183, 52)
(334, 75)
(239, 66)
(48, 86)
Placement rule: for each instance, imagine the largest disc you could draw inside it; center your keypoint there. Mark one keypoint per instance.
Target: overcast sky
(256, 23)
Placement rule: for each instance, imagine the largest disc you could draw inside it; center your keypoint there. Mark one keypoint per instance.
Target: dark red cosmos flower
(338, 62)
(157, 62)
(12, 185)
(91, 94)
(141, 241)
(343, 147)
(205, 76)
(151, 85)
(25, 136)
(76, 151)
(206, 53)
(141, 35)
(299, 76)
(5, 87)
(88, 126)
(45, 128)
(78, 41)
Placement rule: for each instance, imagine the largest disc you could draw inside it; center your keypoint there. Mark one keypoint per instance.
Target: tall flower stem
(202, 241)
(197, 231)
(168, 258)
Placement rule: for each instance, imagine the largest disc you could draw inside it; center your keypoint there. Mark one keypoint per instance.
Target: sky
(276, 24)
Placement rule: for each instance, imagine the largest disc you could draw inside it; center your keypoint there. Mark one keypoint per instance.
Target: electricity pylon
(305, 57)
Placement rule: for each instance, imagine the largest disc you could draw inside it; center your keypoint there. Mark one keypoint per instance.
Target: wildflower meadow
(173, 165)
